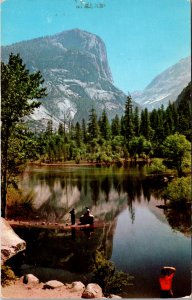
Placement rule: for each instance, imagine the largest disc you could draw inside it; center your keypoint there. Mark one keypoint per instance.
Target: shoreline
(85, 163)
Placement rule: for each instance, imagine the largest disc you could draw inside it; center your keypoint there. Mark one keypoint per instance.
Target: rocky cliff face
(166, 86)
(76, 72)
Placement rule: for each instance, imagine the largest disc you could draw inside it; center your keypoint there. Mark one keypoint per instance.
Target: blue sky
(142, 37)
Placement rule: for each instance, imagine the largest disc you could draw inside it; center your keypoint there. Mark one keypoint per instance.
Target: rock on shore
(11, 243)
(28, 286)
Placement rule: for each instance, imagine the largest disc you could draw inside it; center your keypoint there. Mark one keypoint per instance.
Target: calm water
(137, 236)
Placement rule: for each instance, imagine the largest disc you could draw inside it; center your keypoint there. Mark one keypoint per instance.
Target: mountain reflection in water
(137, 236)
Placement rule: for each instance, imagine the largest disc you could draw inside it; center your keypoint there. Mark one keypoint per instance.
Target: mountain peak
(77, 75)
(166, 86)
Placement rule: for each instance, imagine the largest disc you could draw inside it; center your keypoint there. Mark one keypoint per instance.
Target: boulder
(30, 279)
(11, 243)
(52, 284)
(91, 291)
(77, 286)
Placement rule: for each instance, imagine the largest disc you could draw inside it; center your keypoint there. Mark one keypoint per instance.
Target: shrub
(179, 190)
(177, 148)
(7, 275)
(118, 160)
(157, 166)
(77, 158)
(105, 274)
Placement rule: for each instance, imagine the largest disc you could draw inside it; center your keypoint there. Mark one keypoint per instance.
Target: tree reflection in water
(105, 190)
(108, 192)
(180, 219)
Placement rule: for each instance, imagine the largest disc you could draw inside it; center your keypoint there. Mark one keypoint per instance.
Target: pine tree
(136, 121)
(115, 126)
(122, 126)
(156, 120)
(105, 129)
(145, 127)
(49, 129)
(93, 127)
(78, 134)
(185, 112)
(128, 120)
(168, 122)
(84, 131)
(61, 129)
(175, 116)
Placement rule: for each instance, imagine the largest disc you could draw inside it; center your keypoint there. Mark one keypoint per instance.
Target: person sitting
(165, 281)
(87, 218)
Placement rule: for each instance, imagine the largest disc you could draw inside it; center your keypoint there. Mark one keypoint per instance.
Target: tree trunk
(4, 159)
(4, 193)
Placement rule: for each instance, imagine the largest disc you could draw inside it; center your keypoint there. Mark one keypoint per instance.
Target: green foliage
(128, 120)
(177, 148)
(137, 134)
(179, 190)
(136, 121)
(157, 166)
(115, 126)
(138, 146)
(104, 125)
(185, 112)
(118, 160)
(77, 158)
(7, 275)
(76, 143)
(93, 127)
(145, 126)
(104, 273)
(22, 148)
(19, 88)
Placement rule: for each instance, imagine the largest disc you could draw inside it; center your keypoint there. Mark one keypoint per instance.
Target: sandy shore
(20, 290)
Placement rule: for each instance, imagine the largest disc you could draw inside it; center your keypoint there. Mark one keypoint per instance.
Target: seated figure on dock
(87, 218)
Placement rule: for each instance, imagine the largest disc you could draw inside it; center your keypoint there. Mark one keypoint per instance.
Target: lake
(137, 236)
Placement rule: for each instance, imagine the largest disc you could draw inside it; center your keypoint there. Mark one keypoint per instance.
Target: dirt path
(20, 290)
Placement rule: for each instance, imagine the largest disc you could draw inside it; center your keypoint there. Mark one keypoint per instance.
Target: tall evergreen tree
(128, 119)
(185, 112)
(61, 129)
(84, 131)
(175, 116)
(168, 122)
(105, 129)
(115, 126)
(145, 127)
(122, 126)
(49, 129)
(136, 121)
(93, 127)
(156, 120)
(78, 134)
